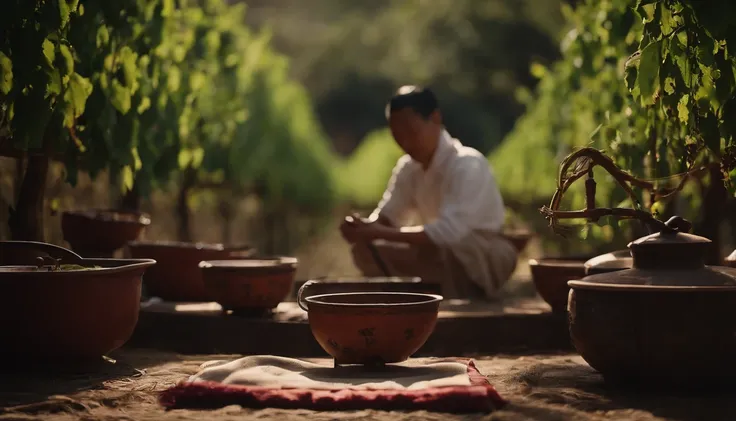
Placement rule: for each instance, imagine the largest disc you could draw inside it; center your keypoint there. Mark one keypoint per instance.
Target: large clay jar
(249, 285)
(69, 314)
(371, 328)
(177, 277)
(668, 321)
(98, 233)
(550, 276)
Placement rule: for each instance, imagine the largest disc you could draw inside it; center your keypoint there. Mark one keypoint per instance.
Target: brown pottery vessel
(668, 321)
(371, 328)
(252, 284)
(367, 284)
(99, 233)
(550, 276)
(176, 277)
(62, 314)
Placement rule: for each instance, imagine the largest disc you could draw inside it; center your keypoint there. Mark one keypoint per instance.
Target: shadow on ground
(580, 387)
(33, 386)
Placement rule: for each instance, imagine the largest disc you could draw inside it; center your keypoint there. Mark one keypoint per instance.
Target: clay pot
(667, 321)
(101, 232)
(248, 285)
(74, 314)
(176, 277)
(550, 276)
(519, 238)
(367, 284)
(371, 328)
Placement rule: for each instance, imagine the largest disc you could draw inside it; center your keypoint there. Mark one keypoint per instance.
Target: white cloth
(289, 373)
(460, 205)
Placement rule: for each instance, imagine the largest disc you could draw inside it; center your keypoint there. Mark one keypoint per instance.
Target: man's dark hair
(419, 99)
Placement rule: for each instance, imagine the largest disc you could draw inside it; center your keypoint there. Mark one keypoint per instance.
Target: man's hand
(354, 229)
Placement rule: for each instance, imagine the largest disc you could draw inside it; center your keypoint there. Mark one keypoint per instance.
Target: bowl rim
(187, 245)
(364, 280)
(580, 284)
(428, 299)
(558, 262)
(142, 218)
(279, 262)
(131, 264)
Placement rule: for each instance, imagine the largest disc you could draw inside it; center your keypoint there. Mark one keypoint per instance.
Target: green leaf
(683, 110)
(648, 73)
(66, 7)
(6, 74)
(120, 97)
(65, 59)
(669, 85)
(49, 52)
(128, 179)
(144, 105)
(103, 36)
(76, 94)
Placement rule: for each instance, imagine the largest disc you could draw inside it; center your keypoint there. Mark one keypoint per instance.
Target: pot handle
(300, 295)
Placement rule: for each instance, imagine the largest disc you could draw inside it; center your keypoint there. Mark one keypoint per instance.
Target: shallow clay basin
(250, 284)
(176, 277)
(371, 328)
(366, 284)
(101, 232)
(550, 276)
(69, 314)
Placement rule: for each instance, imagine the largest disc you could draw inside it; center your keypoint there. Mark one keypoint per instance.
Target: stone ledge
(463, 328)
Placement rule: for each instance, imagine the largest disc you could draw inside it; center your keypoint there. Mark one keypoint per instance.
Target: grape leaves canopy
(144, 88)
(651, 83)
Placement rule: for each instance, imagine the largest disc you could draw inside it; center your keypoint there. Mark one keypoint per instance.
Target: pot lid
(671, 258)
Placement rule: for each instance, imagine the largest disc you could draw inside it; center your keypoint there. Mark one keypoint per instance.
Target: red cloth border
(480, 396)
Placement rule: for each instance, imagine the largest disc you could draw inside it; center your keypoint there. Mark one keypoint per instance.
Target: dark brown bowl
(249, 284)
(177, 277)
(550, 276)
(367, 284)
(101, 232)
(372, 328)
(71, 314)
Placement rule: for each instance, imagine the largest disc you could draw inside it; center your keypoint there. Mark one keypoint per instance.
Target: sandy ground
(560, 387)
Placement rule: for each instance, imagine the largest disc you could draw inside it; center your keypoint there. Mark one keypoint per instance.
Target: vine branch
(581, 163)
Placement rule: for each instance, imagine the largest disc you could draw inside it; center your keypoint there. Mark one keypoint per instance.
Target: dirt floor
(560, 387)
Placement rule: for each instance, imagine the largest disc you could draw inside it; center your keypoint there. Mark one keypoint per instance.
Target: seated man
(453, 191)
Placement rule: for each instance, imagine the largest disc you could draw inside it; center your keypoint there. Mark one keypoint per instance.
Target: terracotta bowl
(519, 238)
(74, 314)
(371, 328)
(176, 277)
(366, 284)
(101, 232)
(252, 284)
(550, 276)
